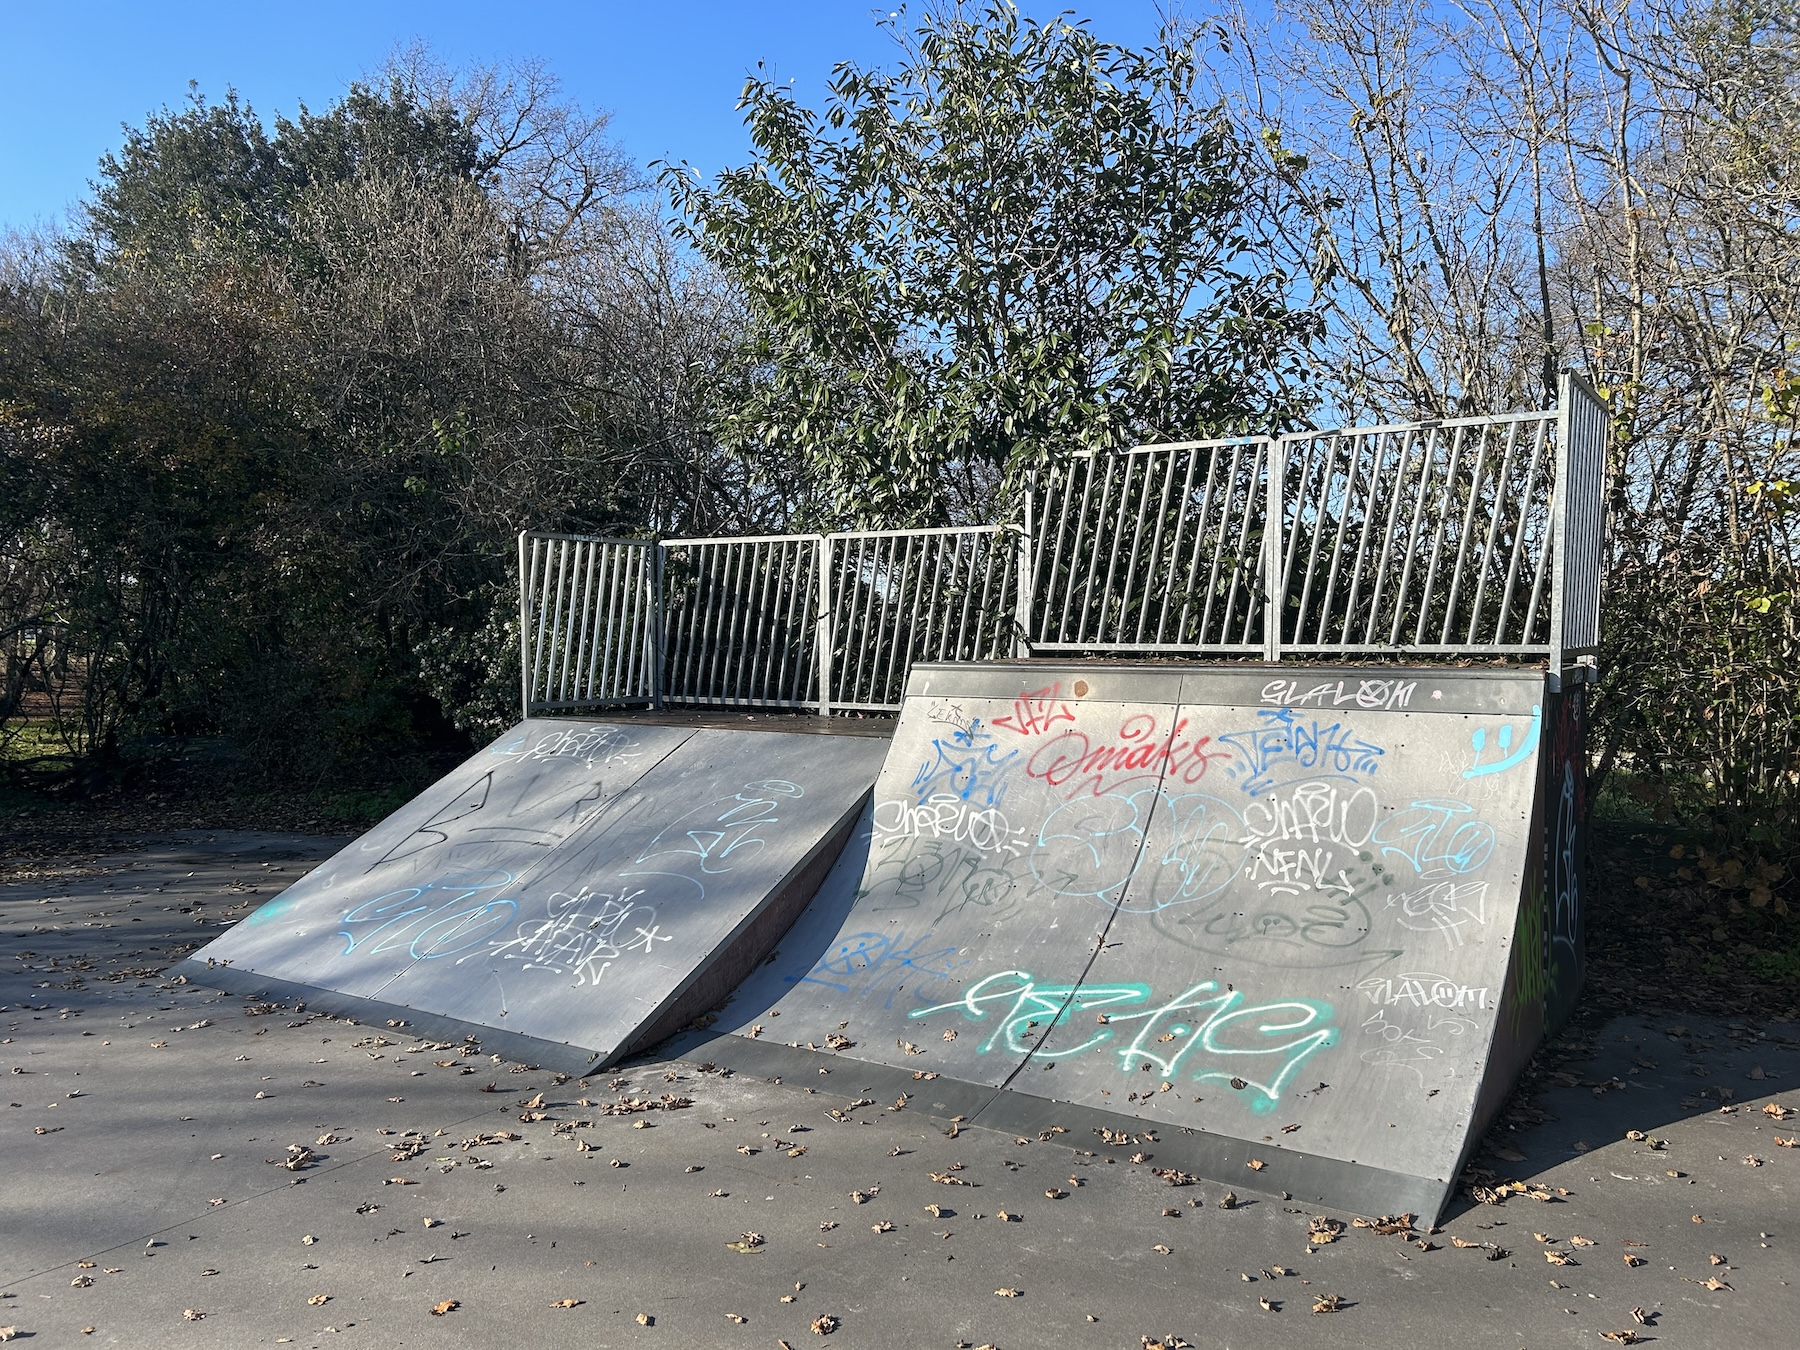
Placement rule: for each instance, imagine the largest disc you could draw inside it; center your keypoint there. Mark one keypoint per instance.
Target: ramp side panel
(1314, 946)
(444, 871)
(991, 846)
(622, 919)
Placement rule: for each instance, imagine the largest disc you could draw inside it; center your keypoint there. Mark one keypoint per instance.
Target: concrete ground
(146, 1198)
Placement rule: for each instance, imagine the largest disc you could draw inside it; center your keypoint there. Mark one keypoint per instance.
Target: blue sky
(669, 72)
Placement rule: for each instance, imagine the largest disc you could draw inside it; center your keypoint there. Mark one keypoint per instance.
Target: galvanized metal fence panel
(1473, 536)
(900, 596)
(1428, 537)
(587, 617)
(1581, 491)
(1154, 549)
(740, 621)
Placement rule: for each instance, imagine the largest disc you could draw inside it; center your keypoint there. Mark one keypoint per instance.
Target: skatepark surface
(146, 1197)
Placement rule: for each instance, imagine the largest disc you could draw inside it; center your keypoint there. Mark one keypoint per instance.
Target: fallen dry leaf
(1320, 1230)
(318, 1299)
(1560, 1259)
(192, 1314)
(1327, 1303)
(824, 1324)
(1632, 1259)
(1257, 1164)
(1625, 1337)
(739, 1318)
(1007, 1293)
(566, 1303)
(7, 1333)
(1576, 1240)
(449, 1305)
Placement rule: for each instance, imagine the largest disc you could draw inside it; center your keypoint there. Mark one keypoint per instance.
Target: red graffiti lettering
(1075, 760)
(1036, 712)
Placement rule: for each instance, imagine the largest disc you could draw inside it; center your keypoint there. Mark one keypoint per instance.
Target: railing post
(524, 633)
(1559, 531)
(1274, 583)
(823, 553)
(1021, 644)
(657, 637)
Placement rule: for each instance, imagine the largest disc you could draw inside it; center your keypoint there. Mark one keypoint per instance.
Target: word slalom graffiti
(1206, 1034)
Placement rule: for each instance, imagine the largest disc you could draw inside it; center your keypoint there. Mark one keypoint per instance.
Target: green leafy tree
(1020, 240)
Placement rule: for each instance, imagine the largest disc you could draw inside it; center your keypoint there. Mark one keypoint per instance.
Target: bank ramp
(1296, 930)
(575, 891)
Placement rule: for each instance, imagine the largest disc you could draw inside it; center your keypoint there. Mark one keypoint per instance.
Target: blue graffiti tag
(1196, 1024)
(433, 920)
(1478, 740)
(1285, 740)
(967, 765)
(1439, 838)
(867, 961)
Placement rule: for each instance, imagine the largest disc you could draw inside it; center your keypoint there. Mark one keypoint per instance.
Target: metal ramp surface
(575, 891)
(1302, 926)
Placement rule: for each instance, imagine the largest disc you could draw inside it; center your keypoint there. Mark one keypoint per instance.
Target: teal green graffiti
(1198, 1023)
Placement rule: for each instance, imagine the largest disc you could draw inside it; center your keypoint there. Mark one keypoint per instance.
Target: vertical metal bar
(1320, 523)
(1200, 528)
(605, 634)
(1181, 515)
(1379, 441)
(1427, 463)
(1476, 475)
(1127, 593)
(1344, 507)
(762, 645)
(1218, 557)
(1408, 438)
(862, 578)
(1274, 523)
(656, 632)
(1559, 526)
(558, 638)
(527, 586)
(1501, 487)
(821, 550)
(1512, 570)
(581, 650)
(1439, 526)
(1081, 542)
(1102, 522)
(1021, 638)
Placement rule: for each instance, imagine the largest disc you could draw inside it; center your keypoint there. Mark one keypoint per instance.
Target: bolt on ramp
(575, 891)
(1290, 928)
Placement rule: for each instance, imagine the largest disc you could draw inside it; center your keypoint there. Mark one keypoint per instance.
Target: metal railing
(587, 621)
(1157, 549)
(740, 621)
(1478, 536)
(899, 596)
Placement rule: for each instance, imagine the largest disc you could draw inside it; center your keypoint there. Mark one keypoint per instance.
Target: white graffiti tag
(1447, 907)
(582, 935)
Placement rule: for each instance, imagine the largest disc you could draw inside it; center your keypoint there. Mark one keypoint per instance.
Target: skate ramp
(1287, 930)
(574, 891)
